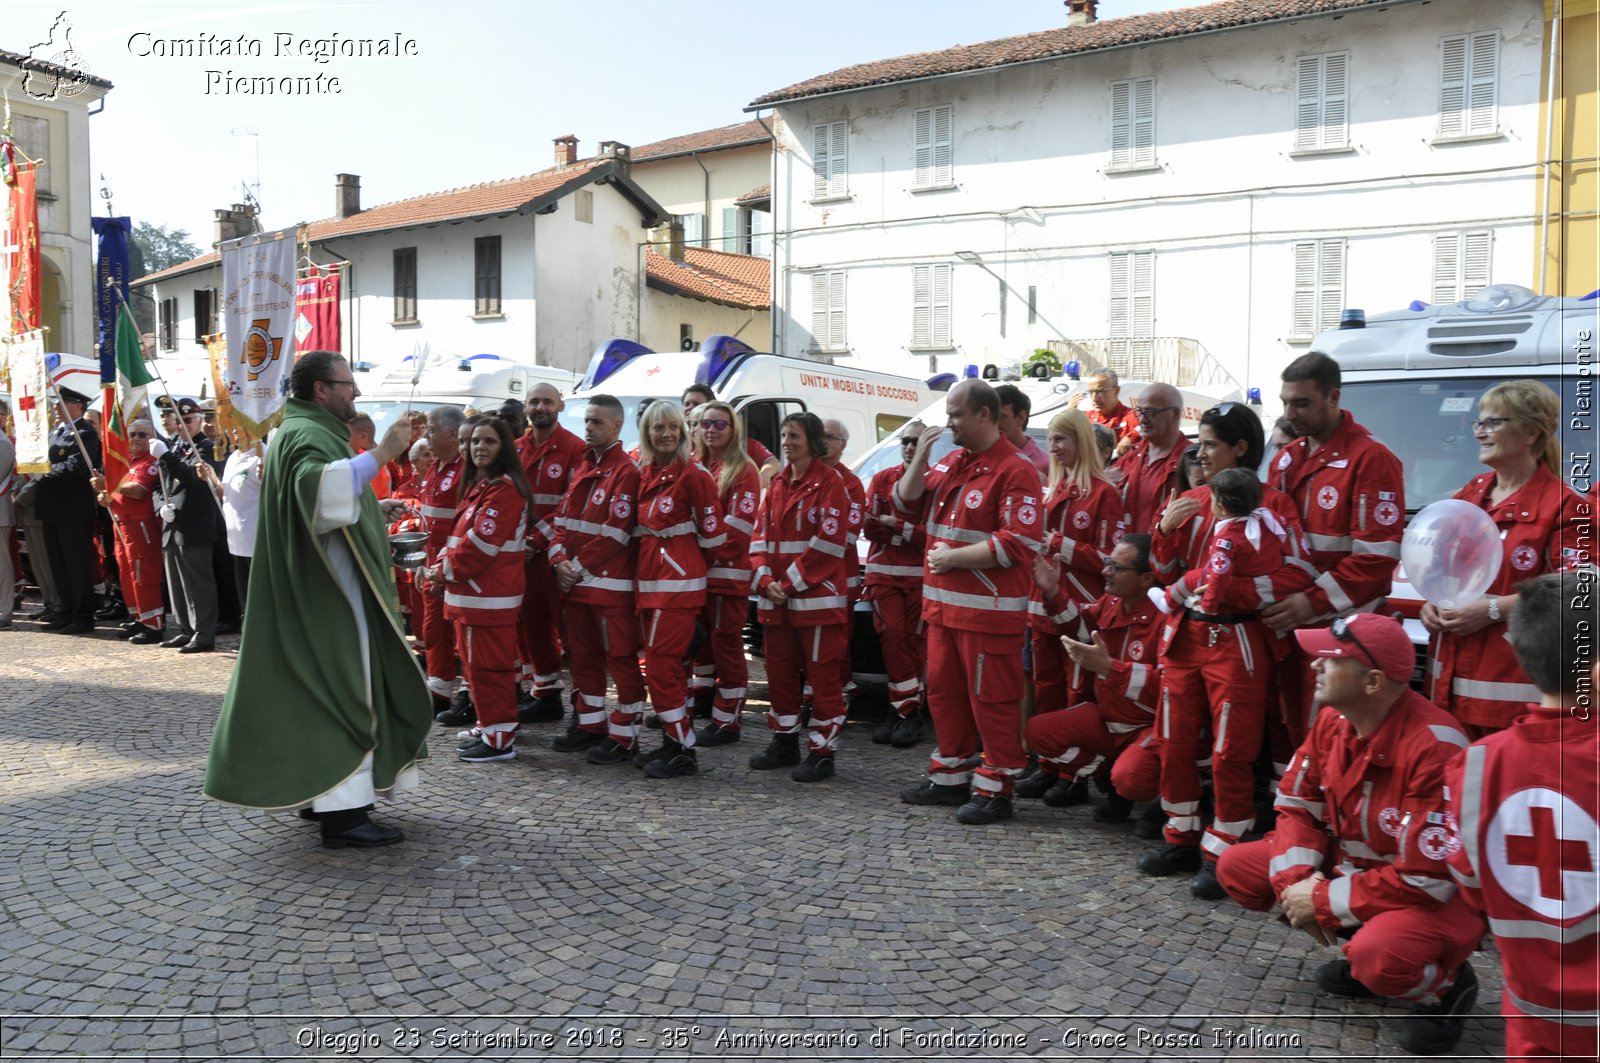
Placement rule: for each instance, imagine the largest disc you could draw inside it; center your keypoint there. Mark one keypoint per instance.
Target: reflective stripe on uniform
(1298, 856)
(974, 601)
(467, 601)
(1521, 693)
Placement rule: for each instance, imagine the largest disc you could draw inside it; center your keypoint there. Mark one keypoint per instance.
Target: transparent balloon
(1451, 552)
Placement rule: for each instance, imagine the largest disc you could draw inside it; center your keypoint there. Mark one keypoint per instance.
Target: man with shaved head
(548, 452)
(1148, 466)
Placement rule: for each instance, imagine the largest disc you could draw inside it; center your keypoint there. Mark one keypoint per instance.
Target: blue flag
(110, 288)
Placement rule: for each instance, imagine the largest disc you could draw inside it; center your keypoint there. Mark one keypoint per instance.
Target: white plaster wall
(589, 278)
(680, 186)
(1221, 210)
(664, 313)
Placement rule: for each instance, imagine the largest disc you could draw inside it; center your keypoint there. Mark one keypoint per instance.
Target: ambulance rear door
(763, 417)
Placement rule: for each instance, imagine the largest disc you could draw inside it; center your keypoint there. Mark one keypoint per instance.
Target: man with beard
(549, 453)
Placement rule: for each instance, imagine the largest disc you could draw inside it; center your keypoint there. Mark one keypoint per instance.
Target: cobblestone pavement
(550, 908)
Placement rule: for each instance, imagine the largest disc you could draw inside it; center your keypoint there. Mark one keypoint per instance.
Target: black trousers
(70, 547)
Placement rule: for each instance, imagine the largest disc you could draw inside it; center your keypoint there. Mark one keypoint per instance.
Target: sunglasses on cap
(1342, 631)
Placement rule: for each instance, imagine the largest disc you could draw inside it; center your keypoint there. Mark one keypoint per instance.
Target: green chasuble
(301, 712)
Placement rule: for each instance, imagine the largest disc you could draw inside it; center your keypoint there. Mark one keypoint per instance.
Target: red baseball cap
(1373, 639)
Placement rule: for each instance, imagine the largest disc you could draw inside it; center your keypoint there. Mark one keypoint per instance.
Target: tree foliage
(151, 249)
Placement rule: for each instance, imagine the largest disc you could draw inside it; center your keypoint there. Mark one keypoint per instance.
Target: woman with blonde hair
(1082, 514)
(1470, 671)
(721, 674)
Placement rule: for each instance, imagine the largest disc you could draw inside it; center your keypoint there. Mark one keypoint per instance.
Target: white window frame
(1133, 124)
(933, 147)
(828, 311)
(1131, 313)
(694, 229)
(1319, 287)
(583, 206)
(1322, 103)
(1469, 79)
(930, 307)
(1461, 265)
(830, 161)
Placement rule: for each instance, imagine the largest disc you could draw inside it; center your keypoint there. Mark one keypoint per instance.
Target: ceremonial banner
(132, 388)
(110, 289)
(30, 401)
(217, 349)
(258, 308)
(19, 249)
(316, 319)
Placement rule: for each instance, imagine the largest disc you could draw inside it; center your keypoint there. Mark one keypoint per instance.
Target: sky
(483, 89)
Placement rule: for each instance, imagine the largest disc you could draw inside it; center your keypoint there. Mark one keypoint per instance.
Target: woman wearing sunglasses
(720, 665)
(138, 546)
(1470, 671)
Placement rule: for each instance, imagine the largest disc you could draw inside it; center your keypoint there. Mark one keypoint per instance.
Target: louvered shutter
(821, 161)
(922, 306)
(922, 151)
(760, 227)
(1142, 313)
(1121, 123)
(1483, 71)
(1305, 289)
(730, 229)
(1475, 263)
(1308, 102)
(836, 311)
(1335, 100)
(819, 310)
(1144, 122)
(941, 306)
(830, 164)
(1330, 283)
(943, 141)
(1446, 268)
(1117, 315)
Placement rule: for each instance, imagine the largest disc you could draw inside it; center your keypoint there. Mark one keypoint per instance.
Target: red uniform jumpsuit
(1370, 814)
(721, 661)
(594, 530)
(680, 521)
(1144, 484)
(1217, 658)
(1474, 676)
(139, 560)
(1113, 720)
(1525, 803)
(1350, 493)
(406, 583)
(799, 545)
(437, 502)
(1080, 527)
(1123, 421)
(548, 467)
(977, 619)
(893, 585)
(852, 560)
(483, 584)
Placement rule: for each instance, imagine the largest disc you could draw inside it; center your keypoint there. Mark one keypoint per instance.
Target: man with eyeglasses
(1350, 491)
(138, 531)
(1147, 468)
(1359, 854)
(327, 707)
(1107, 408)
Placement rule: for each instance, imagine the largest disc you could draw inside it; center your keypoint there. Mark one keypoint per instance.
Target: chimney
(1081, 12)
(620, 153)
(230, 223)
(675, 239)
(346, 195)
(566, 150)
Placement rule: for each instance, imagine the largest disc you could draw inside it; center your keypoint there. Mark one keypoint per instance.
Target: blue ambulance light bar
(610, 356)
(1072, 369)
(942, 382)
(716, 354)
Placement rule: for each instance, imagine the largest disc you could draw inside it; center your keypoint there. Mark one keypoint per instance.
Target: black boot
(782, 752)
(459, 712)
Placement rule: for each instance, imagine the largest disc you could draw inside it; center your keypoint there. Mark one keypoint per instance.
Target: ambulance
(475, 381)
(762, 388)
(1413, 377)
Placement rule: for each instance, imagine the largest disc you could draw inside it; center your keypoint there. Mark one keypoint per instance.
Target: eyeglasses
(1489, 425)
(716, 424)
(331, 383)
(1112, 566)
(834, 439)
(1147, 412)
(1344, 633)
(1097, 392)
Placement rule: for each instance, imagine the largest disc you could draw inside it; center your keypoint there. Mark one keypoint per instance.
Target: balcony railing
(1176, 360)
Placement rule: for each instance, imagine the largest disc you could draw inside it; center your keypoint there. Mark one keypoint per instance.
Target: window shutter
(1142, 311)
(922, 306)
(1117, 315)
(922, 150)
(1453, 88)
(1121, 123)
(819, 310)
(941, 305)
(836, 311)
(1475, 264)
(943, 140)
(828, 160)
(839, 171)
(820, 161)
(1305, 290)
(694, 229)
(760, 226)
(1484, 71)
(1144, 122)
(1308, 102)
(730, 229)
(1330, 283)
(827, 310)
(1335, 100)
(1446, 268)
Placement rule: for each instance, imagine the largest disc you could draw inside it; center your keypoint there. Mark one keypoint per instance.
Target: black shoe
(364, 835)
(1434, 1029)
(883, 731)
(42, 614)
(145, 637)
(56, 623)
(652, 721)
(814, 768)
(1169, 859)
(703, 702)
(642, 759)
(197, 645)
(132, 624)
(985, 809)
(1035, 786)
(714, 735)
(76, 627)
(908, 731)
(180, 639)
(1335, 977)
(782, 752)
(609, 752)
(114, 611)
(310, 815)
(1117, 809)
(1152, 821)
(456, 714)
(229, 627)
(545, 708)
(576, 740)
(1066, 793)
(928, 792)
(481, 752)
(1204, 886)
(683, 762)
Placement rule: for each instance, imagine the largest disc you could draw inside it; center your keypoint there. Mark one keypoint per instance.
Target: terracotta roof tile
(1062, 41)
(755, 195)
(16, 59)
(731, 136)
(743, 281)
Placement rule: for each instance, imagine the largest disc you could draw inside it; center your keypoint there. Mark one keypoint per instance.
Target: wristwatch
(1494, 608)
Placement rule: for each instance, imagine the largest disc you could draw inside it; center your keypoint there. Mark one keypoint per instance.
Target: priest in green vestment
(327, 707)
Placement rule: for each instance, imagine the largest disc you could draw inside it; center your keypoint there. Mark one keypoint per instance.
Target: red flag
(316, 319)
(133, 382)
(19, 243)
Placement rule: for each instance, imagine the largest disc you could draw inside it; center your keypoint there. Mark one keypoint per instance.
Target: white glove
(157, 448)
(168, 514)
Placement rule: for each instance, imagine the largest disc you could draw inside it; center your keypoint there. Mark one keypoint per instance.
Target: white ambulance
(763, 388)
(474, 381)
